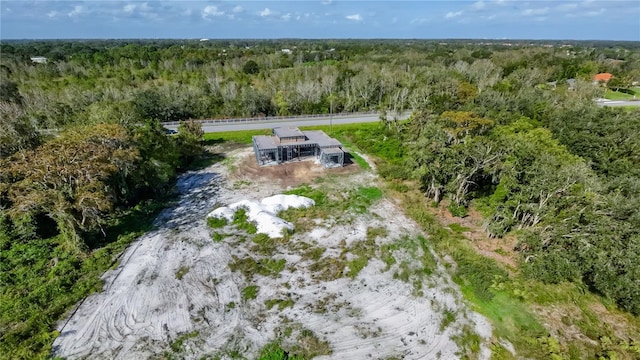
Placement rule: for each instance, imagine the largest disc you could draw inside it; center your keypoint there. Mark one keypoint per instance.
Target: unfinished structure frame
(287, 144)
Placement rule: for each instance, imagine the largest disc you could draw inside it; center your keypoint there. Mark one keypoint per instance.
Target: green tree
(69, 179)
(189, 140)
(251, 67)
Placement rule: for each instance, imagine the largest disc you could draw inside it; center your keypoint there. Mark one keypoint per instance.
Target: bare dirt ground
(499, 249)
(175, 295)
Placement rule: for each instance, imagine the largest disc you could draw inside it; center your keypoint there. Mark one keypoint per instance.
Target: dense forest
(495, 127)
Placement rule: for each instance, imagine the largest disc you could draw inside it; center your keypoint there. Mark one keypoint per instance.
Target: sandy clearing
(175, 280)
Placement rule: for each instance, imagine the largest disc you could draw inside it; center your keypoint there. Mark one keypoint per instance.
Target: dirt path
(174, 286)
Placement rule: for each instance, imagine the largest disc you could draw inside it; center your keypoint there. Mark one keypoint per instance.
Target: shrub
(216, 223)
(250, 292)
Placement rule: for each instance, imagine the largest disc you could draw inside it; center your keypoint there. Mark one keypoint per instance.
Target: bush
(216, 223)
(250, 292)
(457, 210)
(241, 220)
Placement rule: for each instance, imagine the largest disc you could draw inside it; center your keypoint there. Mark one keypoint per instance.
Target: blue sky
(492, 19)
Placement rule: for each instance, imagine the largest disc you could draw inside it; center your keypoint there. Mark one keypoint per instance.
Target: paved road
(605, 102)
(268, 124)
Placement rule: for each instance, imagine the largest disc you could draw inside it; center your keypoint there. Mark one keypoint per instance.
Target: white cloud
(479, 5)
(595, 12)
(451, 15)
(142, 9)
(52, 14)
(210, 11)
(419, 21)
(237, 9)
(327, 2)
(77, 11)
(354, 17)
(286, 17)
(266, 12)
(129, 8)
(535, 12)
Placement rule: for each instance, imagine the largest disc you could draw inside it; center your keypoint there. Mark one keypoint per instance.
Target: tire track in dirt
(147, 297)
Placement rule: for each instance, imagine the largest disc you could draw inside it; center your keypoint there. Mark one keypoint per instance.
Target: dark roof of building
(323, 140)
(266, 142)
(283, 132)
(315, 137)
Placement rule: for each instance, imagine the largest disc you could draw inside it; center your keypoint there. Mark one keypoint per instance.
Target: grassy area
(239, 137)
(632, 94)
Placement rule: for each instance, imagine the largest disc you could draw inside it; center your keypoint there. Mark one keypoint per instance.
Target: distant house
(288, 144)
(39, 59)
(286, 51)
(602, 78)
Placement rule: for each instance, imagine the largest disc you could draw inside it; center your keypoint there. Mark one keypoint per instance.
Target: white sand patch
(264, 213)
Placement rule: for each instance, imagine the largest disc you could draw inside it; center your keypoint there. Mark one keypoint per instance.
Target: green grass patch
(181, 272)
(386, 255)
(264, 244)
(633, 93)
(204, 160)
(375, 232)
(217, 237)
(241, 221)
(455, 227)
(309, 345)
(314, 253)
(280, 303)
(469, 342)
(411, 272)
(273, 351)
(216, 223)
(359, 160)
(362, 198)
(238, 137)
(250, 292)
(448, 317)
(249, 267)
(178, 344)
(315, 194)
(356, 265)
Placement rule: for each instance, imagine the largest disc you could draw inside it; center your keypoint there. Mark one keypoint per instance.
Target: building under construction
(287, 144)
